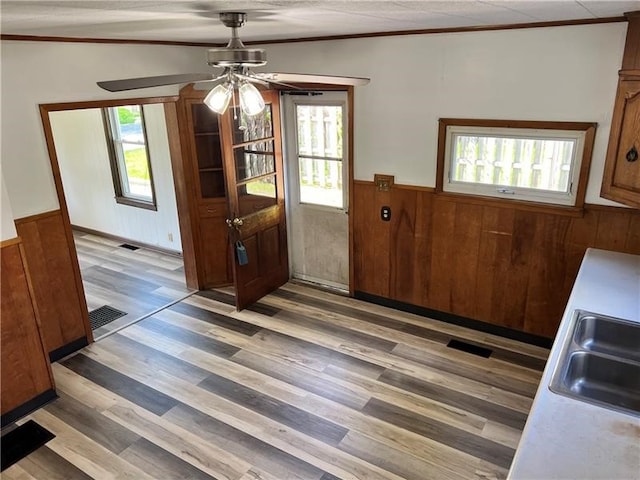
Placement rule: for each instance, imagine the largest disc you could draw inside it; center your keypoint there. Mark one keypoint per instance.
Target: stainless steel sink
(600, 362)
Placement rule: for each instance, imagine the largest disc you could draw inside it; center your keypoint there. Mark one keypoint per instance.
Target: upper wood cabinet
(621, 180)
(202, 196)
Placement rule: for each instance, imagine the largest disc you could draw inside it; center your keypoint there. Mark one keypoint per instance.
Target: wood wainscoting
(506, 265)
(57, 283)
(26, 378)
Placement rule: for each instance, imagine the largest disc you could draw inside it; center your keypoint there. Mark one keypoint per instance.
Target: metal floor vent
(470, 348)
(129, 247)
(103, 315)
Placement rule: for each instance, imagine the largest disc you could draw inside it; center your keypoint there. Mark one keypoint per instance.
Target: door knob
(235, 223)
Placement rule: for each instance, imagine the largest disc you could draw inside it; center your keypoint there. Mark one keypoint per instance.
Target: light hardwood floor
(304, 385)
(136, 282)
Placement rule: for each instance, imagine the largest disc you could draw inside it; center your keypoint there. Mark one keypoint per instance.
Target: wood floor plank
(478, 406)
(183, 335)
(87, 455)
(16, 472)
(91, 423)
(473, 445)
(486, 376)
(161, 464)
(182, 444)
(260, 454)
(152, 359)
(137, 392)
(275, 409)
(314, 382)
(44, 463)
(214, 318)
(394, 460)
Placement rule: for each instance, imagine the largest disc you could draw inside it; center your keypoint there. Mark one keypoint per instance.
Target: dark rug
(103, 315)
(22, 441)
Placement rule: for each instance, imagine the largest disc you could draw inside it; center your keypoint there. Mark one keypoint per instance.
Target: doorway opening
(317, 156)
(117, 185)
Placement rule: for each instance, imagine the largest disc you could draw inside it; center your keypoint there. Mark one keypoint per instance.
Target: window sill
(569, 211)
(136, 203)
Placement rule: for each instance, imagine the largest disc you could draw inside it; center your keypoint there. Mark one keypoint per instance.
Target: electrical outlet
(170, 237)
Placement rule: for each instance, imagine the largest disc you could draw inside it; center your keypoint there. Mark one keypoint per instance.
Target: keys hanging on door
(240, 250)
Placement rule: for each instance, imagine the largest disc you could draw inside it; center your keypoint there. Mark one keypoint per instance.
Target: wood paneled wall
(25, 368)
(57, 284)
(501, 264)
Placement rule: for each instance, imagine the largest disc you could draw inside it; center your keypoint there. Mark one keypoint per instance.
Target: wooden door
(255, 192)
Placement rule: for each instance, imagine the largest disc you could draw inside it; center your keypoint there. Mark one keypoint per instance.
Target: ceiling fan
(236, 60)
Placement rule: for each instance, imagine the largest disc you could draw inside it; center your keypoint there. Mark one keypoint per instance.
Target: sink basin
(600, 362)
(608, 335)
(602, 380)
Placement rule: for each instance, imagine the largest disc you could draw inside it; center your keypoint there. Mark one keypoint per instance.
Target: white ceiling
(197, 20)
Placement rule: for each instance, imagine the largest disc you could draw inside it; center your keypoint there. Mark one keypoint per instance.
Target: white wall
(49, 72)
(555, 73)
(7, 227)
(83, 157)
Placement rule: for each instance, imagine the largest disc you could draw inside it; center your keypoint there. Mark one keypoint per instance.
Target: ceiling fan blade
(252, 77)
(146, 82)
(312, 78)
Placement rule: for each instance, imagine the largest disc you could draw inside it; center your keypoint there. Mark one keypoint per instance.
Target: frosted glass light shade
(251, 101)
(218, 99)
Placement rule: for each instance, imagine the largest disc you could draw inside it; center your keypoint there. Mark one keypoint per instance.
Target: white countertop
(570, 439)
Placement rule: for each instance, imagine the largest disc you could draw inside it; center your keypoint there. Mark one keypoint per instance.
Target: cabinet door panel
(627, 170)
(215, 251)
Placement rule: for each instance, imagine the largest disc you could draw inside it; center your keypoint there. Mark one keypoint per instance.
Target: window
(532, 161)
(130, 165)
(320, 133)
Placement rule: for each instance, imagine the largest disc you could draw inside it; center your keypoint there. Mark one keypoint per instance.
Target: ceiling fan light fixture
(251, 101)
(218, 99)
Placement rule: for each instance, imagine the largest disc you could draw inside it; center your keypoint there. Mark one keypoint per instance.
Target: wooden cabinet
(203, 196)
(621, 180)
(27, 381)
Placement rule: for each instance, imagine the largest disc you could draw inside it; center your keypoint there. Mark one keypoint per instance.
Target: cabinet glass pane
(248, 128)
(204, 120)
(208, 151)
(212, 184)
(257, 195)
(254, 160)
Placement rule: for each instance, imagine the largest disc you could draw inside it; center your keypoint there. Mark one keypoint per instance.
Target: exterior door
(316, 153)
(255, 192)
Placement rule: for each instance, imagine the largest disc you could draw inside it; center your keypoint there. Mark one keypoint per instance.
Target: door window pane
(319, 130)
(257, 194)
(254, 160)
(247, 128)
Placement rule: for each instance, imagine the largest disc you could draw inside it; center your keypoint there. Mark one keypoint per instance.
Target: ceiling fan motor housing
(236, 57)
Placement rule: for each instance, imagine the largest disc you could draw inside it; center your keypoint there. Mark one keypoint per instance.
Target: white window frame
(322, 101)
(566, 198)
(123, 195)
